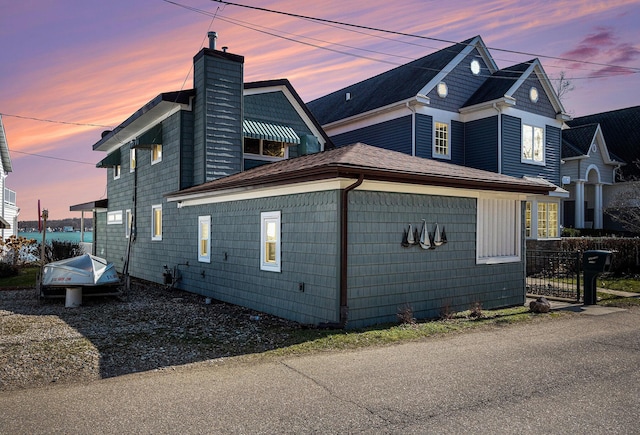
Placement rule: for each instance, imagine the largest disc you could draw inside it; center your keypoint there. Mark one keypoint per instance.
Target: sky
(70, 69)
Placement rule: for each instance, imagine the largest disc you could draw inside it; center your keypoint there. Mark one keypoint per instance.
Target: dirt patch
(148, 328)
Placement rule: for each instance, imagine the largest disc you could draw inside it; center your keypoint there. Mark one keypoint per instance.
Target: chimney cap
(212, 39)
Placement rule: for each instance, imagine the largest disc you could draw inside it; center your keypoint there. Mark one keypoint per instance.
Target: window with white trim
(114, 217)
(156, 154)
(498, 232)
(132, 160)
(266, 149)
(270, 241)
(204, 239)
(547, 220)
(129, 222)
(441, 140)
(532, 144)
(156, 222)
(527, 220)
(116, 172)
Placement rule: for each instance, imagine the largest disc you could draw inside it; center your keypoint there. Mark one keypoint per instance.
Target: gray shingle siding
(393, 135)
(383, 275)
(218, 117)
(481, 144)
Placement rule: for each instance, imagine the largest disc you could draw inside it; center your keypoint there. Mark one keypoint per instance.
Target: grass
(25, 278)
(622, 284)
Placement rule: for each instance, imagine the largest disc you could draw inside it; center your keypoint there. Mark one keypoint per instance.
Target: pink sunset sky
(89, 65)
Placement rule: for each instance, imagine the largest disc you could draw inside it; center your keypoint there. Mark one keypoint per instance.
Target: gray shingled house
(456, 105)
(236, 189)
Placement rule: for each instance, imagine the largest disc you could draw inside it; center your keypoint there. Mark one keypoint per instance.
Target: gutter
(344, 221)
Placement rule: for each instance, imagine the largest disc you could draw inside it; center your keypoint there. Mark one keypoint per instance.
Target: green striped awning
(264, 130)
(110, 161)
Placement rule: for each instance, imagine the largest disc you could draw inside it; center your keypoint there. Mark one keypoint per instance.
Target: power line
(31, 118)
(51, 157)
(324, 20)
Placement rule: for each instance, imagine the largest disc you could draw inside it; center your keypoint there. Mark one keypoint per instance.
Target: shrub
(8, 270)
(57, 250)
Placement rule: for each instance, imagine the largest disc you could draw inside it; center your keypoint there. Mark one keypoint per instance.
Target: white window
(547, 220)
(156, 154)
(441, 140)
(498, 232)
(116, 172)
(204, 239)
(129, 221)
(156, 222)
(270, 241)
(532, 144)
(114, 217)
(527, 220)
(266, 149)
(132, 160)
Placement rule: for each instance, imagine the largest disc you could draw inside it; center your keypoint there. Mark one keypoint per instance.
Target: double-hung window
(532, 144)
(441, 140)
(156, 154)
(204, 239)
(270, 241)
(156, 222)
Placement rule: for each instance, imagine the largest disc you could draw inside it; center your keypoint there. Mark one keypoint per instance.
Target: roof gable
(621, 131)
(580, 141)
(399, 84)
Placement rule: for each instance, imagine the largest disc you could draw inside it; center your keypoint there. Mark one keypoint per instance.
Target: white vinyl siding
(498, 232)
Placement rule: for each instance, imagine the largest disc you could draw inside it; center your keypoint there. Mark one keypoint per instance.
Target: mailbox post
(593, 263)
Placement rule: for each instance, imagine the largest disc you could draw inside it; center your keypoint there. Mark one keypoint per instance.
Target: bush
(57, 250)
(8, 270)
(626, 251)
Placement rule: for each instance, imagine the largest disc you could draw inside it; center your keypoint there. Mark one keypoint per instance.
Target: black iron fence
(554, 274)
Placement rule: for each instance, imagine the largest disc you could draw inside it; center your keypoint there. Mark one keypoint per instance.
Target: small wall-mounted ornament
(425, 237)
(405, 239)
(437, 236)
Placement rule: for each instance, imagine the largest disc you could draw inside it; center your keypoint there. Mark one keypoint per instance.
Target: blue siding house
(455, 105)
(238, 192)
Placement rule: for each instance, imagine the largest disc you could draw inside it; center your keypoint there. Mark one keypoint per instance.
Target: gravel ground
(149, 328)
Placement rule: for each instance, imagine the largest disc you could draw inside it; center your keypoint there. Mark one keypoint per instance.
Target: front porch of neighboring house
(92, 207)
(584, 208)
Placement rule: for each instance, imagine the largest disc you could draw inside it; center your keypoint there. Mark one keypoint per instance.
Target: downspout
(344, 198)
(495, 106)
(413, 128)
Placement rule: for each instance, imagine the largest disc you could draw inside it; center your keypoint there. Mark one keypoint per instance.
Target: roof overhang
(4, 225)
(112, 160)
(4, 149)
(555, 191)
(505, 101)
(152, 113)
(98, 205)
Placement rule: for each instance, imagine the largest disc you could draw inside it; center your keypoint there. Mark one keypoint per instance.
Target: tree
(563, 85)
(624, 207)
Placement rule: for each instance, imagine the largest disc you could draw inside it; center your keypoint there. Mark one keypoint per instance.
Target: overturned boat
(88, 272)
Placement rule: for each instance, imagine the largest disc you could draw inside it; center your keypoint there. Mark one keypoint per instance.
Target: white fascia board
(374, 116)
(501, 103)
(602, 144)
(258, 192)
(153, 116)
(547, 87)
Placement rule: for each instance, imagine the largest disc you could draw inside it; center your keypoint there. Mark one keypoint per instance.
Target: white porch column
(579, 204)
(597, 211)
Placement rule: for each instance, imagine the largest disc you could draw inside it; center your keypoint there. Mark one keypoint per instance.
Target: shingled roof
(576, 141)
(621, 131)
(373, 163)
(498, 84)
(395, 85)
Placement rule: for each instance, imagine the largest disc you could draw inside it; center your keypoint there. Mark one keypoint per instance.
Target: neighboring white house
(9, 211)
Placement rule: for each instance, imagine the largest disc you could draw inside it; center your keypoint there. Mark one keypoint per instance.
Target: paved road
(576, 375)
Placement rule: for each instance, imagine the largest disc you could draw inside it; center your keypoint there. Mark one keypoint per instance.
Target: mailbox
(593, 263)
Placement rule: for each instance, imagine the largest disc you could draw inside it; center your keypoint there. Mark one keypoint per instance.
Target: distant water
(61, 236)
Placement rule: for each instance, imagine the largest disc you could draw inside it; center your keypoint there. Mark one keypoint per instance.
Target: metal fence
(554, 274)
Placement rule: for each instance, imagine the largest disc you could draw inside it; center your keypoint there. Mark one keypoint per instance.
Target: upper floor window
(132, 160)
(156, 222)
(532, 144)
(116, 172)
(156, 154)
(270, 241)
(265, 148)
(441, 140)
